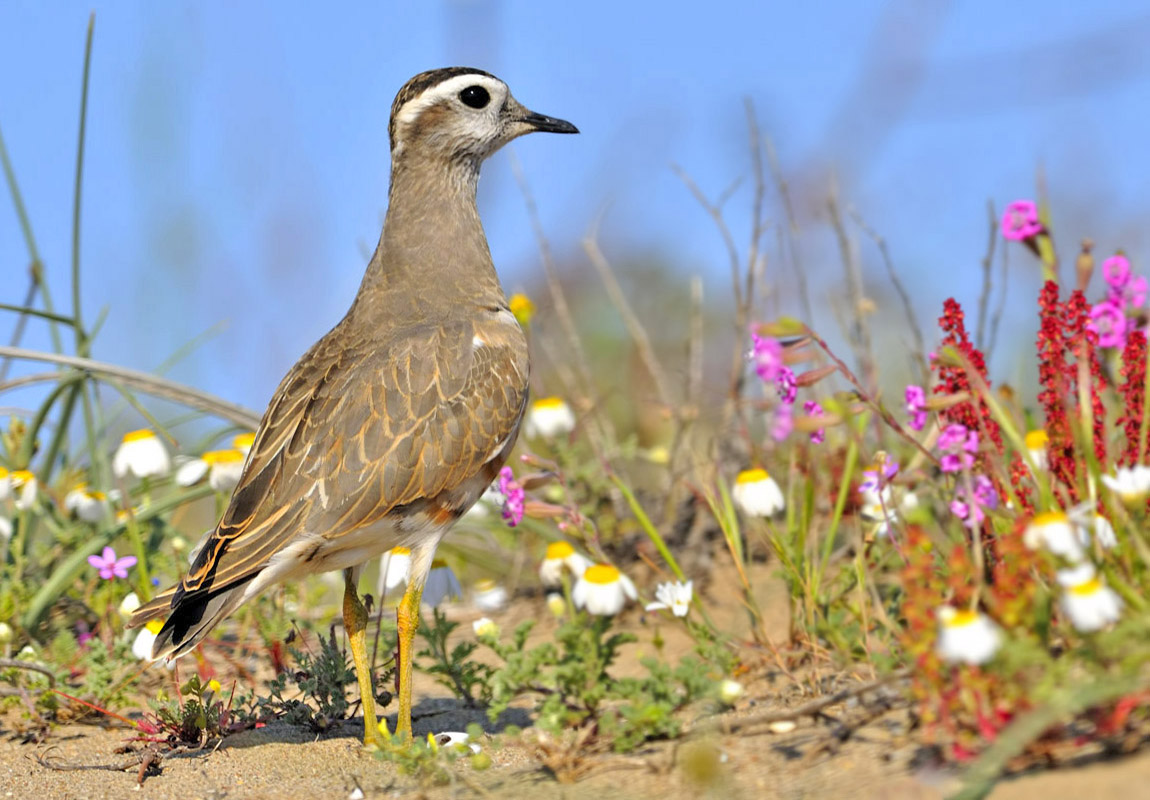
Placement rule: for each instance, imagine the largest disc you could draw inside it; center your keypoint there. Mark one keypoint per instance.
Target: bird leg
(407, 620)
(355, 623)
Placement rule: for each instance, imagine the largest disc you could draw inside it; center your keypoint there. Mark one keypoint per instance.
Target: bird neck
(432, 253)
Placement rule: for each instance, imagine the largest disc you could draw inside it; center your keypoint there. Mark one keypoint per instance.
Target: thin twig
(987, 282)
(860, 335)
(157, 387)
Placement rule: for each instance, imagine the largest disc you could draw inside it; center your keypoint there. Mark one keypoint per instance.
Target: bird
(394, 423)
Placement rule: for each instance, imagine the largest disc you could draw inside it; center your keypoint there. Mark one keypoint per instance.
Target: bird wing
(352, 433)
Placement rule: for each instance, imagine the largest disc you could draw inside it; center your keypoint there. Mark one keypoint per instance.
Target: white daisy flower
(5, 529)
(675, 597)
(966, 636)
(6, 634)
(756, 494)
(549, 417)
(879, 508)
(141, 454)
(485, 627)
(129, 605)
(561, 554)
(1132, 484)
(25, 487)
(603, 590)
(1054, 531)
(1036, 442)
(243, 442)
(142, 646)
(441, 585)
(1089, 604)
(223, 468)
(1104, 532)
(489, 596)
(394, 568)
(5, 484)
(452, 740)
(86, 505)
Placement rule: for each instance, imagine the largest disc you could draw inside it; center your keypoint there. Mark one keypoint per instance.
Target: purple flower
(767, 353)
(970, 510)
(874, 481)
(916, 406)
(514, 497)
(959, 445)
(1020, 221)
(1108, 321)
(1116, 271)
(782, 422)
(1134, 292)
(110, 566)
(788, 389)
(813, 409)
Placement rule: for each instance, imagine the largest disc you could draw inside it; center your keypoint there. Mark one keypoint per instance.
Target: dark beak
(548, 124)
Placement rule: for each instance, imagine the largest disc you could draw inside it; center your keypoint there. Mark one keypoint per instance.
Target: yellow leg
(407, 620)
(355, 623)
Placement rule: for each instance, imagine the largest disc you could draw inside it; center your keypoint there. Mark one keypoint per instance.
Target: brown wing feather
(367, 432)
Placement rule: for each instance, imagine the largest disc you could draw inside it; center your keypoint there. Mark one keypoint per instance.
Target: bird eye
(475, 96)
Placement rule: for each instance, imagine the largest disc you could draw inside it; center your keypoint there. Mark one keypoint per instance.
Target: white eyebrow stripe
(409, 112)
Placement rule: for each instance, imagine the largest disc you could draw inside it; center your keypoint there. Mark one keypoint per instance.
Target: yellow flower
(25, 486)
(243, 442)
(223, 468)
(1036, 442)
(522, 307)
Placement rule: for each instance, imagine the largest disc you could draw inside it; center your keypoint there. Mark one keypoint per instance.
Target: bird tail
(190, 619)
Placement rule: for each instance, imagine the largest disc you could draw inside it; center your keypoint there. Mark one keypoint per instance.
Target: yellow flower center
(960, 619)
(154, 626)
(243, 440)
(1050, 518)
(401, 551)
(22, 476)
(3, 473)
(522, 307)
(137, 436)
(484, 585)
(548, 404)
(214, 685)
(1037, 440)
(1087, 588)
(557, 551)
(752, 476)
(602, 574)
(439, 563)
(213, 457)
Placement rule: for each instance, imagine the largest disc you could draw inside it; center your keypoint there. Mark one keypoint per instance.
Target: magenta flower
(875, 482)
(916, 407)
(1020, 221)
(514, 497)
(788, 389)
(970, 511)
(1116, 271)
(782, 422)
(1109, 322)
(1134, 292)
(110, 566)
(959, 444)
(767, 353)
(813, 409)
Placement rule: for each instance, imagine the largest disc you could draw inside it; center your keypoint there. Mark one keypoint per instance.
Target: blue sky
(237, 157)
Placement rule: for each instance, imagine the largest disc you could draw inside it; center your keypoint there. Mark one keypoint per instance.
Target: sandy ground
(279, 761)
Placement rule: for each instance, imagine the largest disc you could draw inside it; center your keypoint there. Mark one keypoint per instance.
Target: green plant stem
(648, 527)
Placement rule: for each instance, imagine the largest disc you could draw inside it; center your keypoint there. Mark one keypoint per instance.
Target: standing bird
(392, 425)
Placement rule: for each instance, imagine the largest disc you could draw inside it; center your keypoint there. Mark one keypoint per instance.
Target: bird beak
(538, 122)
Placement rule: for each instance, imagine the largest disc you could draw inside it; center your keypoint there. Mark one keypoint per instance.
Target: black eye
(475, 96)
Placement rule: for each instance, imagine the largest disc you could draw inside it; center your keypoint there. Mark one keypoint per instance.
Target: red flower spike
(1133, 372)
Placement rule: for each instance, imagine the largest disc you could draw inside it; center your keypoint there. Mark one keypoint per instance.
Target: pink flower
(1108, 321)
(970, 511)
(782, 422)
(767, 353)
(788, 389)
(110, 566)
(1116, 271)
(916, 406)
(1134, 293)
(874, 482)
(1020, 221)
(813, 409)
(514, 497)
(959, 444)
